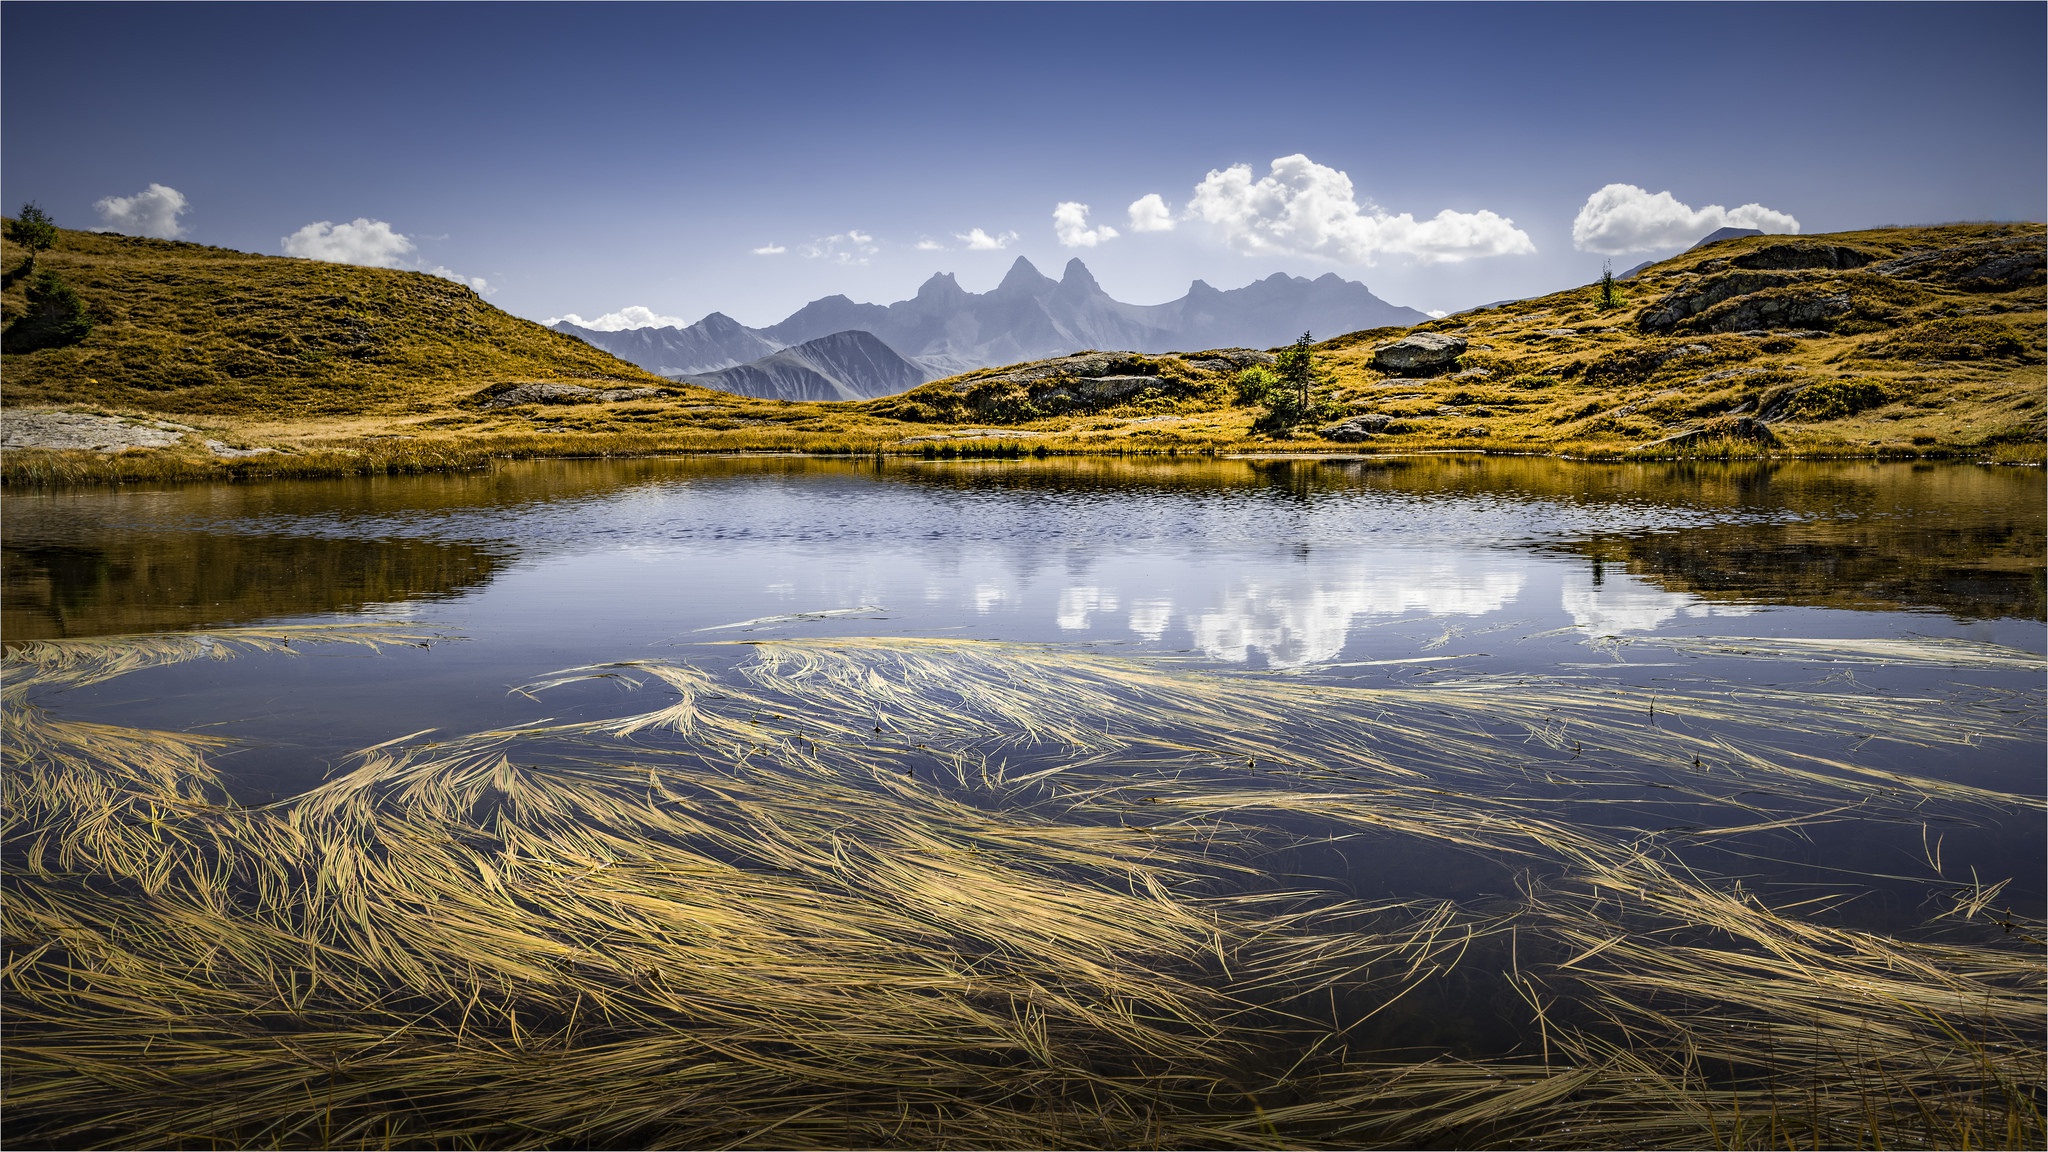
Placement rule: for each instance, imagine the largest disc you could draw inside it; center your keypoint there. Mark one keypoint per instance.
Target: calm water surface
(1414, 571)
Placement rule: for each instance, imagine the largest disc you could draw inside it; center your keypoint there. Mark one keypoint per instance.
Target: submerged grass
(914, 892)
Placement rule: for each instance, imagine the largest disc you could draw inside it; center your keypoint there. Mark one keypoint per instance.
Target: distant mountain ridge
(946, 329)
(849, 365)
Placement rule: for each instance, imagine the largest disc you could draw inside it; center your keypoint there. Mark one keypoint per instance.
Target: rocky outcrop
(62, 431)
(1776, 310)
(513, 395)
(1693, 299)
(1358, 428)
(1999, 265)
(1745, 429)
(1085, 381)
(1787, 257)
(1420, 353)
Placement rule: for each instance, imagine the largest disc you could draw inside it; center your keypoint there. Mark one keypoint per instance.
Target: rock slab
(1419, 352)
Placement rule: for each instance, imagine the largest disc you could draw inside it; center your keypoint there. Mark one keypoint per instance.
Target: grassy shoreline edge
(53, 469)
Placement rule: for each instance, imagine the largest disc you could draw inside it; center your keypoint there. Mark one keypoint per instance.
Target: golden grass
(913, 892)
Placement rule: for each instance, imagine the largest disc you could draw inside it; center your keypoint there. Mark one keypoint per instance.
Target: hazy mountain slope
(1028, 316)
(717, 341)
(850, 365)
(188, 329)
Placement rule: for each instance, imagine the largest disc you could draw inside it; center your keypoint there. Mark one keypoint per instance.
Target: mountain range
(946, 329)
(849, 365)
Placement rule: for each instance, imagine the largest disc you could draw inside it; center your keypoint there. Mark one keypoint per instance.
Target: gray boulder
(1744, 428)
(1778, 311)
(513, 395)
(1357, 428)
(1423, 352)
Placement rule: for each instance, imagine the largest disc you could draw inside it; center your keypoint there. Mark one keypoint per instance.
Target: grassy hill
(182, 329)
(1894, 341)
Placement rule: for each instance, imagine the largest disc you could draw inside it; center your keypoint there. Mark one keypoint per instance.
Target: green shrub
(1254, 384)
(56, 317)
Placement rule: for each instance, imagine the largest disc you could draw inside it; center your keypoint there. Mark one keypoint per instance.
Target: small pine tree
(33, 229)
(1291, 391)
(56, 316)
(1607, 300)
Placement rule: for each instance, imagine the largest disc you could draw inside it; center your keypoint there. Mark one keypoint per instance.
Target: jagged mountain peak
(941, 286)
(947, 329)
(1024, 276)
(1077, 276)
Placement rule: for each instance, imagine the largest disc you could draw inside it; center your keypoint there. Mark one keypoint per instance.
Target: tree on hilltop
(33, 229)
(1290, 390)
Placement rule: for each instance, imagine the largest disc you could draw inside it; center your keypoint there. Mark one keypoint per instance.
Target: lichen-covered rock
(513, 395)
(1743, 428)
(1419, 352)
(1778, 310)
(1358, 428)
(1786, 257)
(1696, 298)
(1999, 265)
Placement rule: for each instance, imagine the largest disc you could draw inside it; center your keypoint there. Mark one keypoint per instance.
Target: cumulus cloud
(1624, 218)
(482, 286)
(930, 245)
(1149, 213)
(771, 250)
(1070, 224)
(364, 241)
(852, 246)
(151, 212)
(1303, 208)
(979, 241)
(632, 316)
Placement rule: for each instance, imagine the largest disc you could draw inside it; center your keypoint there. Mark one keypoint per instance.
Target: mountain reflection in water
(1281, 560)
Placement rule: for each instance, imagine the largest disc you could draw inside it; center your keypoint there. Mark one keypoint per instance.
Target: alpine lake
(801, 802)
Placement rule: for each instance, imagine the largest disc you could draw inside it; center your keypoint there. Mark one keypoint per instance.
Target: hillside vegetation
(1892, 341)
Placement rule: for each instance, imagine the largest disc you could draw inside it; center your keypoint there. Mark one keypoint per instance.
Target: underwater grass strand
(783, 927)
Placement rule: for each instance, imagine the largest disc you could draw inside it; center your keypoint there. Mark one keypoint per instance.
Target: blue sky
(587, 158)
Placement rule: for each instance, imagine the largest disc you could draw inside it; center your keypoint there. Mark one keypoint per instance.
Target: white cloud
(1303, 208)
(771, 250)
(1624, 218)
(1436, 313)
(1149, 213)
(1625, 603)
(1077, 604)
(979, 241)
(477, 282)
(1304, 620)
(1070, 224)
(929, 245)
(365, 241)
(633, 316)
(852, 246)
(150, 212)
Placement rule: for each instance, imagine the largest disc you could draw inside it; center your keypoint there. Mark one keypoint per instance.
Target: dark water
(1386, 572)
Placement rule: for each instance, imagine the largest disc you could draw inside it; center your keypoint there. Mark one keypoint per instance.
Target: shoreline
(47, 469)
